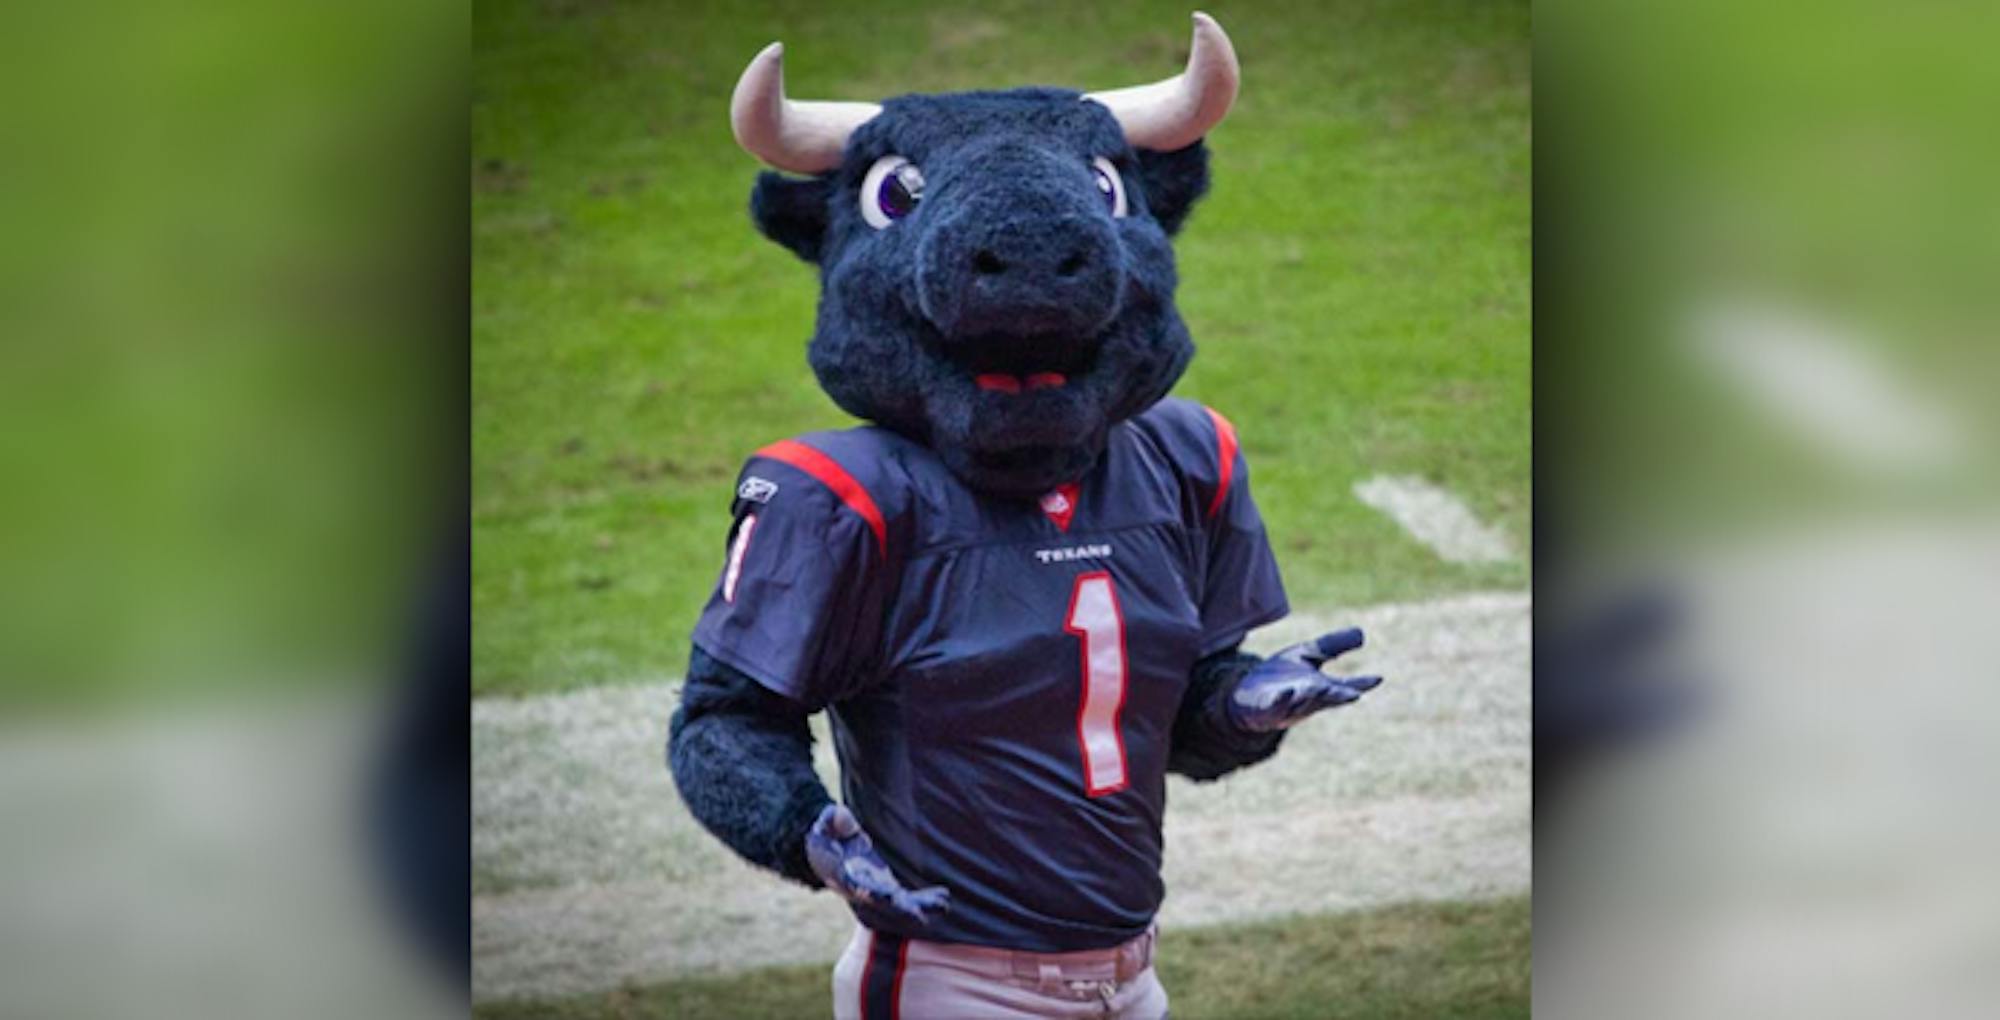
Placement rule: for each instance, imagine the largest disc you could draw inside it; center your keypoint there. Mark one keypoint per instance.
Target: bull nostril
(985, 263)
(1071, 265)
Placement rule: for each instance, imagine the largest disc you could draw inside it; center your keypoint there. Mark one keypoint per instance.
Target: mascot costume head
(996, 277)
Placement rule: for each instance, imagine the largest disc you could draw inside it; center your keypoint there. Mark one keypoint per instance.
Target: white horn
(1176, 113)
(800, 136)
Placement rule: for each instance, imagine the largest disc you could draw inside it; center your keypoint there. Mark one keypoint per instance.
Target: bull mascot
(1019, 592)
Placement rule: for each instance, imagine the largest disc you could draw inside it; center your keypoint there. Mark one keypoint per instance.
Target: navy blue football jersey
(1003, 676)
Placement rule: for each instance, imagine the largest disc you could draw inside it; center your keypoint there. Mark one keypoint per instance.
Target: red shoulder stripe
(835, 477)
(1225, 452)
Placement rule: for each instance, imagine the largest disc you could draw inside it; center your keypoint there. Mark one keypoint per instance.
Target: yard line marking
(1436, 518)
(1826, 384)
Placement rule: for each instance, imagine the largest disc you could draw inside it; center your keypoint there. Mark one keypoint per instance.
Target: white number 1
(1094, 617)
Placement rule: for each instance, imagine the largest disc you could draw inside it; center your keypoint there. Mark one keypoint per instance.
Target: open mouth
(1001, 382)
(1016, 365)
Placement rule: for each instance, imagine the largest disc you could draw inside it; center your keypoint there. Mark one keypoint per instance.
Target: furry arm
(742, 758)
(1206, 745)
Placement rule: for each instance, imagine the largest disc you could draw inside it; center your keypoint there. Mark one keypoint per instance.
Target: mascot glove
(1288, 686)
(845, 859)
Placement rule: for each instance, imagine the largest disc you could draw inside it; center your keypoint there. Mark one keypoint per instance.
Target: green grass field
(1357, 283)
(1421, 960)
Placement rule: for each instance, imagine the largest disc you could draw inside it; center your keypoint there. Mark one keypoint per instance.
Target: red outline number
(1094, 617)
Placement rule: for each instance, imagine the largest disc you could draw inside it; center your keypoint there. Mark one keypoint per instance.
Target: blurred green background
(1818, 172)
(232, 447)
(1357, 283)
(231, 394)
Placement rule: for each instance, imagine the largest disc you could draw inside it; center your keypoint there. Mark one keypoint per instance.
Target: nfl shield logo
(1060, 505)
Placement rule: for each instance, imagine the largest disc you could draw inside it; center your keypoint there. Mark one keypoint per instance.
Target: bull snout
(1023, 262)
(1020, 269)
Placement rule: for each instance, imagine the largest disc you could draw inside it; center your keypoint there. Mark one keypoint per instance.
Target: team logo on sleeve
(757, 490)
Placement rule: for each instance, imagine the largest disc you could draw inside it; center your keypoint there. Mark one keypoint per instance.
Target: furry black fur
(742, 758)
(1011, 263)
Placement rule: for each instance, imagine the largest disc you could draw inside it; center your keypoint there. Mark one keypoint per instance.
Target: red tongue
(1000, 382)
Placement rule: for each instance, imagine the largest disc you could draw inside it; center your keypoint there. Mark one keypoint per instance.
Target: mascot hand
(845, 859)
(1288, 686)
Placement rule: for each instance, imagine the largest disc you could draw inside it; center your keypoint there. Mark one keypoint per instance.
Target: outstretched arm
(1205, 747)
(1237, 706)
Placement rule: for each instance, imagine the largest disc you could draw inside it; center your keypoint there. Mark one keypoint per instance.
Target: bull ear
(1173, 181)
(792, 211)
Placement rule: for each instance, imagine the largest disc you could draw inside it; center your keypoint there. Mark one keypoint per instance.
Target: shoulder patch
(829, 473)
(757, 490)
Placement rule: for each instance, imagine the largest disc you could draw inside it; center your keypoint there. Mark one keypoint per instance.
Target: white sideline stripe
(1436, 518)
(589, 873)
(1824, 383)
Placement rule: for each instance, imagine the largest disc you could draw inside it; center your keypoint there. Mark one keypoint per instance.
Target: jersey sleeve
(799, 604)
(1241, 589)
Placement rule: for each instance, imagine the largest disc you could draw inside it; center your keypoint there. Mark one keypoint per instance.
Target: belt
(1120, 963)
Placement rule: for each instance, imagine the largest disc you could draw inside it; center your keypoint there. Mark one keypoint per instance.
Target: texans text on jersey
(1073, 552)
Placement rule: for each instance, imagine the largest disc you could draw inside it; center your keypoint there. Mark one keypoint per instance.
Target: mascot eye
(1109, 185)
(891, 191)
